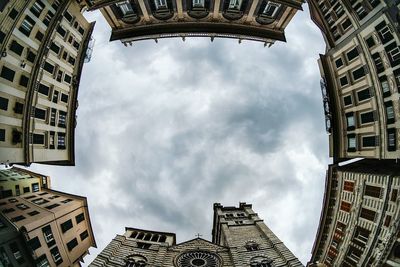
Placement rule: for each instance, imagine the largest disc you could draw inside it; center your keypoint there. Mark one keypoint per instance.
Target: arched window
(252, 245)
(261, 261)
(136, 261)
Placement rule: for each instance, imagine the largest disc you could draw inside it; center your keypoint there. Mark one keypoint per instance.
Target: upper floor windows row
(148, 236)
(163, 9)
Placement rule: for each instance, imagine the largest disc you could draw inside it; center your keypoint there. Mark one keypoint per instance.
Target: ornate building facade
(260, 20)
(43, 46)
(239, 238)
(40, 226)
(360, 218)
(360, 76)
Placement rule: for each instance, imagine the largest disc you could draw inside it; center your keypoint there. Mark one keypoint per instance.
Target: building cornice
(211, 29)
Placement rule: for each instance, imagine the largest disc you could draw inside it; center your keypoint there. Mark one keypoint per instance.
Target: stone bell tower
(250, 241)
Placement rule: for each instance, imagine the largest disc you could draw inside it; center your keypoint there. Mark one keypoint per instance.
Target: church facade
(239, 238)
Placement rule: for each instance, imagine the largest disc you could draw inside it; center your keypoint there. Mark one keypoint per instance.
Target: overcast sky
(165, 130)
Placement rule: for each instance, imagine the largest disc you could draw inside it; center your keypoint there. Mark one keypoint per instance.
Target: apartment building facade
(259, 20)
(360, 76)
(16, 181)
(360, 217)
(239, 238)
(45, 228)
(42, 50)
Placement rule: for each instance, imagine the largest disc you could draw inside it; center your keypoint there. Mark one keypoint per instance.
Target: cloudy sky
(165, 130)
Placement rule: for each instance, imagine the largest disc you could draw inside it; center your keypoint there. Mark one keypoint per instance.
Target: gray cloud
(165, 130)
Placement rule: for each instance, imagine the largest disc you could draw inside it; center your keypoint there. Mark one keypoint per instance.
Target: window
(13, 13)
(393, 196)
(71, 60)
(18, 218)
(34, 243)
(3, 4)
(271, 9)
(82, 31)
(162, 4)
(8, 210)
(369, 141)
(345, 206)
(7, 74)
(35, 187)
(389, 112)
(27, 26)
(48, 67)
(2, 36)
(388, 219)
(26, 190)
(55, 48)
(71, 244)
(16, 47)
(16, 252)
(61, 31)
(367, 117)
(43, 89)
(346, 24)
(64, 98)
(48, 18)
(84, 235)
(361, 234)
(53, 115)
(67, 78)
(343, 81)
(79, 218)
(352, 54)
(370, 41)
(40, 113)
(359, 73)
(39, 36)
(378, 63)
(22, 206)
(65, 226)
(360, 10)
(394, 54)
(68, 16)
(23, 81)
(3, 103)
(391, 133)
(62, 119)
(66, 200)
(52, 206)
(364, 94)
(48, 234)
(59, 79)
(40, 201)
(31, 57)
(385, 88)
(37, 8)
(347, 100)
(350, 121)
(55, 92)
(373, 191)
(368, 214)
(125, 7)
(33, 213)
(351, 143)
(18, 108)
(348, 186)
(384, 32)
(55, 254)
(339, 62)
(2, 135)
